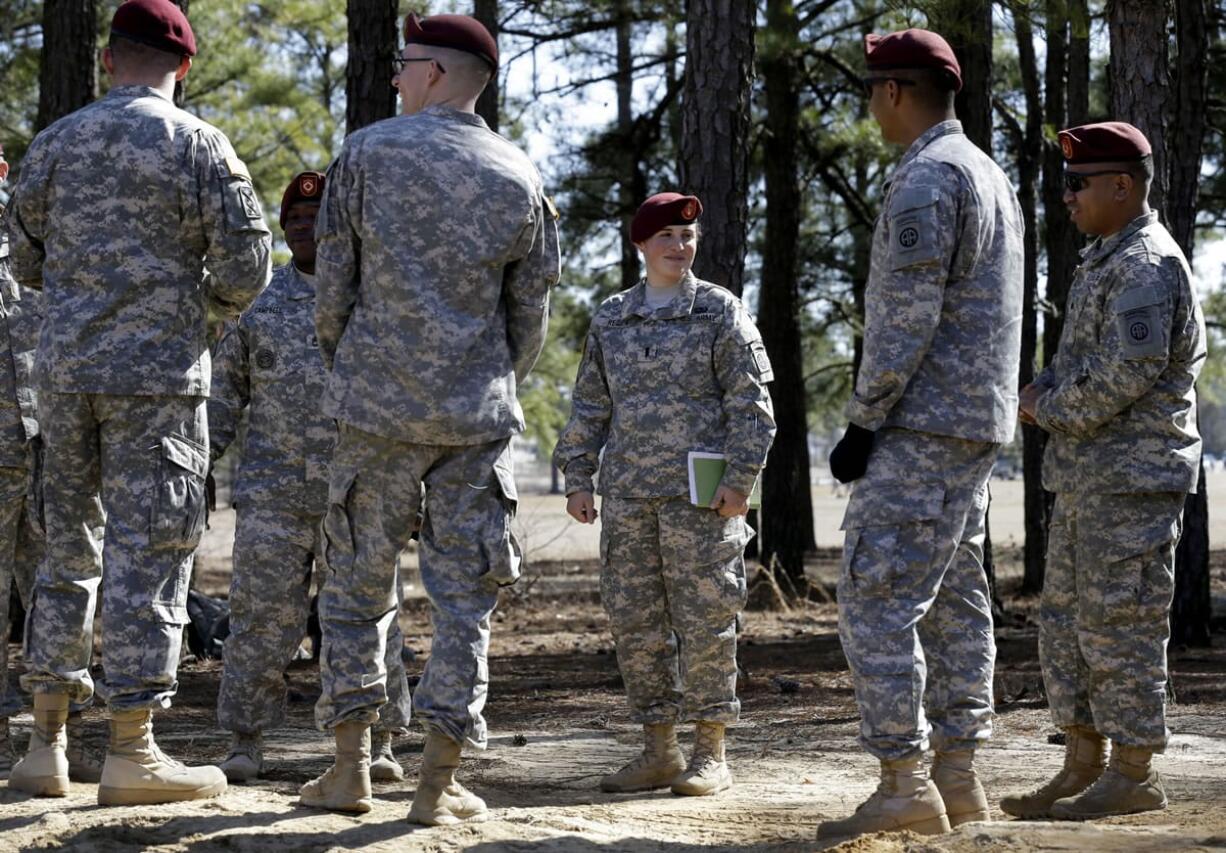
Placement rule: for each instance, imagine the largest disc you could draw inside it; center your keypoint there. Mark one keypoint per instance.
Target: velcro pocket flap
(186, 454)
(913, 227)
(1138, 297)
(875, 504)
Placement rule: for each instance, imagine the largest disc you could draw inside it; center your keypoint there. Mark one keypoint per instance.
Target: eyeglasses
(869, 82)
(399, 62)
(1075, 182)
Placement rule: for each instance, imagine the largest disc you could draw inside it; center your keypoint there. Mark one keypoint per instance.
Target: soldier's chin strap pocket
(501, 545)
(179, 505)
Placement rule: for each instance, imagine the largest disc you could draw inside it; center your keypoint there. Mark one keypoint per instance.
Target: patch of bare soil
(558, 719)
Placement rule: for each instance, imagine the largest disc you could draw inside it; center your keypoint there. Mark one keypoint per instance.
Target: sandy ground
(558, 721)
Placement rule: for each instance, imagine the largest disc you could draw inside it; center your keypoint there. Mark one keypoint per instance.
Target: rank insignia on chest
(264, 359)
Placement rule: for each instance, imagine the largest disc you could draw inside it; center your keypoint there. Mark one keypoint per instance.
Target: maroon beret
(307, 186)
(1105, 142)
(157, 23)
(661, 211)
(458, 32)
(912, 49)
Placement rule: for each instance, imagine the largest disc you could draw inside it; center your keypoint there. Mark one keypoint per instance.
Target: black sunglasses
(399, 62)
(1075, 182)
(869, 82)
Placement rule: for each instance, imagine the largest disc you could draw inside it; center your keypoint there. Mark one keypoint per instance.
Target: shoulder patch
(1139, 321)
(236, 167)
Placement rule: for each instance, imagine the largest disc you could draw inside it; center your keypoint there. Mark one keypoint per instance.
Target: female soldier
(672, 365)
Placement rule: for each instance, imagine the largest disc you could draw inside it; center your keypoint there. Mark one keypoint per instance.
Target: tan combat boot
(1130, 785)
(345, 787)
(707, 772)
(83, 750)
(657, 765)
(137, 772)
(439, 798)
(43, 771)
(954, 775)
(383, 764)
(245, 762)
(904, 799)
(1085, 755)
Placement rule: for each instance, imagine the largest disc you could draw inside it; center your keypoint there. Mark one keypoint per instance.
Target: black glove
(849, 459)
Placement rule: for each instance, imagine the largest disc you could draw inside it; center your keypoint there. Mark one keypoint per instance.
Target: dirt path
(558, 721)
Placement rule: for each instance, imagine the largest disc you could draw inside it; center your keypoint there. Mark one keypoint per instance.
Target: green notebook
(706, 471)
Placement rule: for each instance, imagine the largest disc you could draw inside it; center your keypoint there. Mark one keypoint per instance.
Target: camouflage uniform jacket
(652, 386)
(269, 364)
(943, 305)
(437, 249)
(20, 310)
(121, 207)
(1120, 402)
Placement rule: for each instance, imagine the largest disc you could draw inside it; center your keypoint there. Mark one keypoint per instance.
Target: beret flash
(458, 32)
(156, 23)
(912, 48)
(307, 186)
(661, 211)
(1105, 142)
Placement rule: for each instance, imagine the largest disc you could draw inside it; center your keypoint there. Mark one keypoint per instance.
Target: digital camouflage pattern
(120, 251)
(436, 252)
(437, 249)
(654, 385)
(122, 206)
(1103, 625)
(466, 551)
(915, 613)
(672, 581)
(943, 304)
(1120, 397)
(269, 365)
(152, 471)
(21, 310)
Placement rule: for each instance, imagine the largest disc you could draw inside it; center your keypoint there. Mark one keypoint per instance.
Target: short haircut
(130, 54)
(1145, 169)
(468, 70)
(935, 88)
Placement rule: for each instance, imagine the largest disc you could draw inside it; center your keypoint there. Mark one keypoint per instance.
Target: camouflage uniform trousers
(466, 551)
(915, 615)
(21, 550)
(124, 490)
(1103, 624)
(274, 550)
(672, 581)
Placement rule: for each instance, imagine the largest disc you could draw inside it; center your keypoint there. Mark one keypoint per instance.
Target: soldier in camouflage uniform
(269, 364)
(935, 397)
(1119, 404)
(437, 249)
(672, 365)
(121, 207)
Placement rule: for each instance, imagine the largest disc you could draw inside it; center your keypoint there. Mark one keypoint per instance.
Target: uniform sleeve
(526, 288)
(577, 454)
(26, 220)
(231, 389)
(742, 368)
(903, 307)
(1133, 351)
(337, 255)
(239, 250)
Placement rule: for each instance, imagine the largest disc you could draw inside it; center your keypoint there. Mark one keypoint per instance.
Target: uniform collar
(299, 287)
(1104, 246)
(682, 304)
(941, 128)
(452, 114)
(137, 92)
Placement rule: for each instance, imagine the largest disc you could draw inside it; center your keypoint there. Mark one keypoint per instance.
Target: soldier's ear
(1124, 184)
(185, 65)
(108, 61)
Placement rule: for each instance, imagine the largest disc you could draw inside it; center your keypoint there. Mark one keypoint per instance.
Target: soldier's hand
(582, 507)
(1027, 400)
(729, 502)
(849, 459)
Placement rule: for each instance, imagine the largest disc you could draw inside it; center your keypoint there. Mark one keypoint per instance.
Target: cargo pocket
(1136, 590)
(178, 510)
(503, 552)
(727, 570)
(891, 532)
(337, 545)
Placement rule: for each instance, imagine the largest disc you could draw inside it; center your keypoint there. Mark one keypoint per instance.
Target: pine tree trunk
(1139, 72)
(486, 11)
(1191, 609)
(369, 95)
(967, 26)
(628, 180)
(68, 72)
(715, 131)
(787, 510)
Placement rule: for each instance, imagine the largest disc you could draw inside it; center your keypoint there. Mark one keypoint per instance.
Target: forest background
(756, 107)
